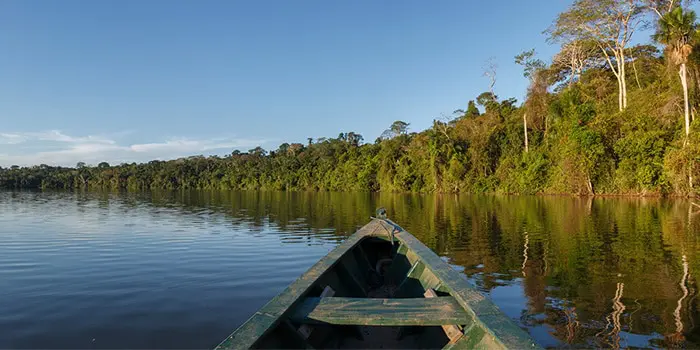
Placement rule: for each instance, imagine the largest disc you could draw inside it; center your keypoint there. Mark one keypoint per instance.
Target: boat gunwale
(268, 316)
(485, 313)
(502, 330)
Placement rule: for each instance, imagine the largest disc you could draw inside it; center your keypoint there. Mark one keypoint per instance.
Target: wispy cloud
(54, 147)
(57, 136)
(11, 139)
(49, 136)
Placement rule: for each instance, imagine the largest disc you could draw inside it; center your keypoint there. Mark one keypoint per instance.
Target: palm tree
(677, 30)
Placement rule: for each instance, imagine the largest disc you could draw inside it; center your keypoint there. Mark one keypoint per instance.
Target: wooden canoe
(380, 288)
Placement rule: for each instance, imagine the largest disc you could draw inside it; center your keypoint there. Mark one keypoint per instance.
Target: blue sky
(130, 80)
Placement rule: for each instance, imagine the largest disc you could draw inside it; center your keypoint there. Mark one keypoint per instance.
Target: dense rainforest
(603, 117)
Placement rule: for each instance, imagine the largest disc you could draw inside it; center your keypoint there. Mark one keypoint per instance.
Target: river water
(184, 269)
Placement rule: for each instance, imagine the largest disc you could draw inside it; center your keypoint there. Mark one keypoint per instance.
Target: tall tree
(487, 100)
(661, 7)
(258, 151)
(472, 110)
(608, 23)
(489, 69)
(397, 128)
(677, 30)
(531, 68)
(530, 64)
(354, 138)
(572, 59)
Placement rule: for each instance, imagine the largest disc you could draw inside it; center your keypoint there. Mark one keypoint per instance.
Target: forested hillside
(600, 117)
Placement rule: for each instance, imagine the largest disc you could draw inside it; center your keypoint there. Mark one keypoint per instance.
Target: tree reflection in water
(546, 261)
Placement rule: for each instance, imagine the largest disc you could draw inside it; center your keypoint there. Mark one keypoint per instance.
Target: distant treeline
(603, 118)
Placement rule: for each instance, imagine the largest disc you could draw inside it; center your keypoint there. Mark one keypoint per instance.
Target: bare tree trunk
(682, 72)
(624, 79)
(572, 65)
(589, 184)
(619, 94)
(620, 88)
(636, 77)
(525, 129)
(619, 56)
(684, 82)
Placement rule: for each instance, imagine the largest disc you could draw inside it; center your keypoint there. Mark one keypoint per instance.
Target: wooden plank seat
(305, 329)
(436, 311)
(453, 332)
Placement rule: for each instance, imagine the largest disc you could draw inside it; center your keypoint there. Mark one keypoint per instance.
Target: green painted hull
(380, 288)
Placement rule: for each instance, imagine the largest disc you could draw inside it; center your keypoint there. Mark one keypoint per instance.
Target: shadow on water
(581, 272)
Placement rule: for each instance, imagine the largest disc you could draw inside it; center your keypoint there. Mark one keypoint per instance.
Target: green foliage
(397, 128)
(487, 100)
(641, 151)
(530, 64)
(677, 29)
(471, 111)
(682, 163)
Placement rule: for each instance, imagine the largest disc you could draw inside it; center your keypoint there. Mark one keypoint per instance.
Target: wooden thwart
(452, 331)
(305, 329)
(436, 311)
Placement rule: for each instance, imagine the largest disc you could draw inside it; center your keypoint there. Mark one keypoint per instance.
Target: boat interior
(378, 294)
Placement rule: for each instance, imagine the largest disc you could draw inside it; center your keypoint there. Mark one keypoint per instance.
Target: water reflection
(575, 272)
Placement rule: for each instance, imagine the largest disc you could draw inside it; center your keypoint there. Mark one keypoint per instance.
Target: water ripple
(182, 269)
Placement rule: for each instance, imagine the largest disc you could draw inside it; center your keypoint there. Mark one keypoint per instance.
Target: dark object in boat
(381, 213)
(380, 288)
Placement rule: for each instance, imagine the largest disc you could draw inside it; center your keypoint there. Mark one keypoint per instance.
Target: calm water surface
(182, 270)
